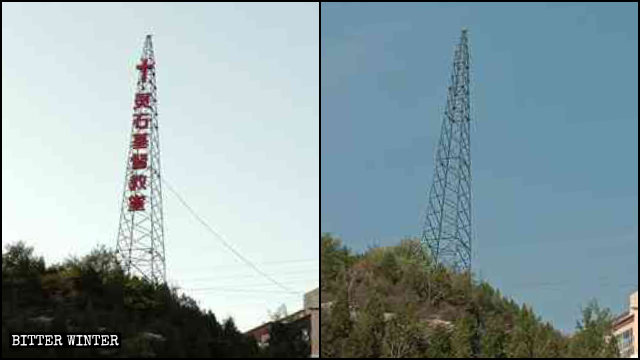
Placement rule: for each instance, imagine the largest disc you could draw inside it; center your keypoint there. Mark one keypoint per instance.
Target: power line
(260, 286)
(262, 263)
(223, 241)
(299, 272)
(564, 283)
(243, 290)
(252, 282)
(248, 279)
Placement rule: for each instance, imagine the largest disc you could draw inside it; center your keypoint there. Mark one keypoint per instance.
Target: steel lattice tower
(140, 245)
(447, 230)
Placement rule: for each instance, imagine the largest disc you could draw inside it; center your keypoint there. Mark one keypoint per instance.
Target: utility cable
(224, 242)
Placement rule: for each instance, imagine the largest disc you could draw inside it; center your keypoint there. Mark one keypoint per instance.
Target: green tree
(551, 342)
(289, 340)
(336, 326)
(410, 250)
(594, 334)
(462, 339)
(486, 323)
(18, 261)
(88, 293)
(334, 258)
(279, 314)
(522, 342)
(389, 267)
(494, 340)
(439, 342)
(89, 318)
(404, 336)
(368, 330)
(103, 262)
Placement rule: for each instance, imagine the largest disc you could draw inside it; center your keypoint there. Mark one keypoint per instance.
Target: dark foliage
(392, 302)
(93, 294)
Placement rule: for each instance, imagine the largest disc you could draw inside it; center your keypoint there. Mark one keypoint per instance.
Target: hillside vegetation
(393, 302)
(92, 295)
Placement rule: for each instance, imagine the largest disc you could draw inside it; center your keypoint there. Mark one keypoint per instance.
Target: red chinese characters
(136, 202)
(137, 182)
(141, 121)
(139, 161)
(140, 141)
(143, 67)
(142, 100)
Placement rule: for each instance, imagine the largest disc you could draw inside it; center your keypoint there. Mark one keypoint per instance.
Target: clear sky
(554, 139)
(238, 89)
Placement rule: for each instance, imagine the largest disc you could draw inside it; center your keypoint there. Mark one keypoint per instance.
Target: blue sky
(554, 139)
(238, 90)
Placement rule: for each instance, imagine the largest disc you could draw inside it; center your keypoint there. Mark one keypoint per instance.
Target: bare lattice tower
(447, 229)
(140, 245)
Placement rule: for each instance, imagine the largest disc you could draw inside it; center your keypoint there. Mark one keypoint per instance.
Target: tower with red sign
(140, 247)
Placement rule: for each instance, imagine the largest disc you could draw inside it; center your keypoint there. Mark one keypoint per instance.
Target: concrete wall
(312, 299)
(629, 322)
(625, 324)
(634, 309)
(312, 306)
(315, 333)
(311, 309)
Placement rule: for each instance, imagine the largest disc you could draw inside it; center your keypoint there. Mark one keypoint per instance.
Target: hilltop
(394, 302)
(93, 295)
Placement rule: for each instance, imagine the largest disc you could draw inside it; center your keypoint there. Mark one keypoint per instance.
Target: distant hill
(393, 302)
(93, 295)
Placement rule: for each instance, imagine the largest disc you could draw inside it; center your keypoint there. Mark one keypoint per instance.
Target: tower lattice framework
(140, 246)
(447, 232)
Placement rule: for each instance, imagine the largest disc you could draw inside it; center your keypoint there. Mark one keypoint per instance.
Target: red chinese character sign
(144, 66)
(141, 231)
(136, 202)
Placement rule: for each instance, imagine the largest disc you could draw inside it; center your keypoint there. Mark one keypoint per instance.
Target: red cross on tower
(144, 66)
